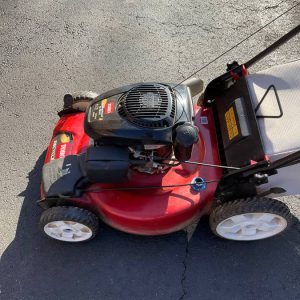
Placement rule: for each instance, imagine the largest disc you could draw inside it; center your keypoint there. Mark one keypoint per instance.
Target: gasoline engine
(144, 127)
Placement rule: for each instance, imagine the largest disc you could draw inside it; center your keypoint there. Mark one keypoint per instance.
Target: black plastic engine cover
(106, 164)
(139, 114)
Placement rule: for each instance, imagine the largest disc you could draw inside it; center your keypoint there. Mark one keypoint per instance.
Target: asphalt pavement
(52, 47)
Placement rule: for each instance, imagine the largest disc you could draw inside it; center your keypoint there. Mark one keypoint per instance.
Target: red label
(109, 108)
(62, 150)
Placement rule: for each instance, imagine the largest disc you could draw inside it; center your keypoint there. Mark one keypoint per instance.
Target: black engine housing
(134, 128)
(139, 114)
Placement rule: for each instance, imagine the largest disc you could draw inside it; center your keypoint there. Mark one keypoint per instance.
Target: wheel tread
(70, 213)
(249, 205)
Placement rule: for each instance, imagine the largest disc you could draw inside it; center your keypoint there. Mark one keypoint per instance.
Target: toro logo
(109, 108)
(61, 150)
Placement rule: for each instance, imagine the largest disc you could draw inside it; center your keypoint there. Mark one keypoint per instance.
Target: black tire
(77, 102)
(73, 214)
(249, 206)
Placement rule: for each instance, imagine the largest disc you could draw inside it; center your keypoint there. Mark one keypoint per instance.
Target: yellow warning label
(103, 102)
(101, 109)
(231, 124)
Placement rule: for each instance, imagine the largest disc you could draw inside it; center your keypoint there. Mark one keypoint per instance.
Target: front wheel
(69, 223)
(250, 219)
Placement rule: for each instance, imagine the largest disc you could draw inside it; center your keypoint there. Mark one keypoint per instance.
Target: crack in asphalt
(183, 275)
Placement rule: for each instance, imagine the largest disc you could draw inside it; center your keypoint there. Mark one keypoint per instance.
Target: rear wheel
(69, 223)
(250, 219)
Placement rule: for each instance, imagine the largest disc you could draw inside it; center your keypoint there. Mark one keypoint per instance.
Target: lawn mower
(147, 159)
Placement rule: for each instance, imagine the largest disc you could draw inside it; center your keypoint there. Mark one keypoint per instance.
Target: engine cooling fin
(149, 106)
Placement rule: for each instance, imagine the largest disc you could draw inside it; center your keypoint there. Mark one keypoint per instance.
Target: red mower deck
(150, 211)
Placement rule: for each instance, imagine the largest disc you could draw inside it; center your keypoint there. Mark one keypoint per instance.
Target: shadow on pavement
(112, 266)
(120, 266)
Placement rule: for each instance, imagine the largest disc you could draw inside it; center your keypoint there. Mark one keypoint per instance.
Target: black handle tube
(273, 47)
(286, 161)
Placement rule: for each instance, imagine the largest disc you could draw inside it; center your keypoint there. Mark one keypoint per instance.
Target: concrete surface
(48, 48)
